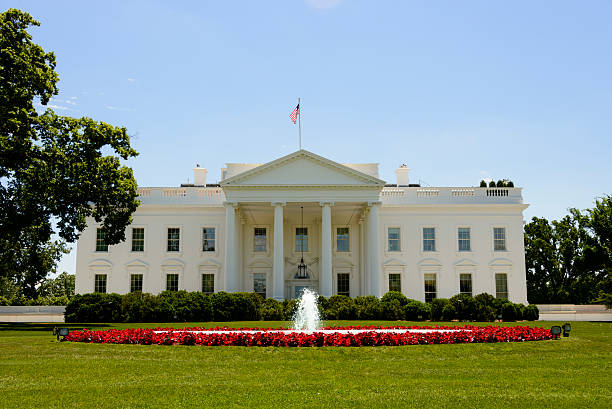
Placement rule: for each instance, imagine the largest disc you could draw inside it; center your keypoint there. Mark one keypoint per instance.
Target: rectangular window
(137, 239)
(499, 238)
(135, 282)
(342, 239)
(395, 282)
(301, 239)
(429, 239)
(430, 287)
(100, 283)
(259, 284)
(101, 240)
(463, 234)
(501, 285)
(260, 240)
(174, 236)
(343, 284)
(393, 239)
(172, 282)
(465, 284)
(208, 239)
(208, 283)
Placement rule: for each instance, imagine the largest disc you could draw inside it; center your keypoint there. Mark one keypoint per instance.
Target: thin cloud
(131, 80)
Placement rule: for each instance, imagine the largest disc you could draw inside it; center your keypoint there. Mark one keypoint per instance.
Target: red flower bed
(271, 336)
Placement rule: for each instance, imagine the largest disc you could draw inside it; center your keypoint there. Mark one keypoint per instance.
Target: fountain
(307, 316)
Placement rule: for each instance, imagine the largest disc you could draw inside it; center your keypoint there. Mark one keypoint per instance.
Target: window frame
(202, 274)
(506, 247)
(215, 239)
(348, 283)
(348, 239)
(435, 235)
(399, 277)
(459, 239)
(178, 280)
(267, 240)
(95, 286)
(144, 239)
(425, 292)
(260, 275)
(507, 292)
(388, 239)
(466, 273)
(308, 241)
(132, 275)
(99, 230)
(167, 239)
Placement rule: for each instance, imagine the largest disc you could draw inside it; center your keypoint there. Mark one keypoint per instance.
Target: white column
(278, 268)
(325, 279)
(231, 267)
(374, 248)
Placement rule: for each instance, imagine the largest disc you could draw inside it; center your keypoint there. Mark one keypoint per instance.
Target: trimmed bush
(94, 307)
(436, 306)
(416, 310)
(222, 306)
(449, 312)
(139, 307)
(290, 306)
(465, 307)
(483, 183)
(532, 313)
(368, 307)
(246, 306)
(341, 307)
(393, 304)
(491, 184)
(272, 310)
(509, 312)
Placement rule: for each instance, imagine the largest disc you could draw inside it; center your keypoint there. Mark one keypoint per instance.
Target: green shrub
(222, 307)
(290, 307)
(436, 307)
(510, 184)
(500, 183)
(465, 307)
(416, 310)
(272, 310)
(323, 305)
(138, 307)
(368, 307)
(247, 307)
(341, 307)
(449, 312)
(94, 307)
(491, 184)
(508, 312)
(532, 313)
(393, 304)
(483, 183)
(4, 301)
(521, 311)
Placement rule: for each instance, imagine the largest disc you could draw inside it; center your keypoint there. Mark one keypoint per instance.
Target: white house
(359, 236)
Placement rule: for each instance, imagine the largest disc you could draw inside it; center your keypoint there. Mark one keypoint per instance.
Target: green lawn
(38, 372)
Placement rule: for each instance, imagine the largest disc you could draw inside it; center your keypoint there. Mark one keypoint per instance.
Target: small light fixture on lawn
(60, 332)
(555, 330)
(302, 270)
(567, 327)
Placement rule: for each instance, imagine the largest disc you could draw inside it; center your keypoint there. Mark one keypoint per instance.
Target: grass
(38, 372)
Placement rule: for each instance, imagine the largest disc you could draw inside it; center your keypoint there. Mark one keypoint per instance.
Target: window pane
(259, 284)
(499, 238)
(260, 240)
(343, 284)
(174, 234)
(501, 285)
(208, 239)
(135, 282)
(342, 239)
(208, 283)
(100, 283)
(301, 239)
(101, 240)
(430, 287)
(464, 239)
(138, 239)
(395, 283)
(172, 282)
(465, 284)
(393, 238)
(429, 239)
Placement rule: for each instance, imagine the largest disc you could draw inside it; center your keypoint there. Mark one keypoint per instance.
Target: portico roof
(302, 169)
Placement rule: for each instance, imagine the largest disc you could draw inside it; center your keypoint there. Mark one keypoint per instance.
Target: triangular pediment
(302, 168)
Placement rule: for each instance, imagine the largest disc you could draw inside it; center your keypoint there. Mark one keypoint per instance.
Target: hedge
(183, 306)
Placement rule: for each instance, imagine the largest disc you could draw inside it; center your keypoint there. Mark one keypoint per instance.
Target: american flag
(295, 113)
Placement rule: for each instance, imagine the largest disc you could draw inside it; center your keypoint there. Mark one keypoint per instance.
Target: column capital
(378, 203)
(233, 204)
(278, 203)
(326, 203)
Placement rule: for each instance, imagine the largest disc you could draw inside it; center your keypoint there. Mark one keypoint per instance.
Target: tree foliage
(569, 260)
(52, 168)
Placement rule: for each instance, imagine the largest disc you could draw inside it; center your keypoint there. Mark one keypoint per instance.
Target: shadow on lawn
(34, 326)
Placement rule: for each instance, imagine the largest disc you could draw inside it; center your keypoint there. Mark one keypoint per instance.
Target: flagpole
(300, 122)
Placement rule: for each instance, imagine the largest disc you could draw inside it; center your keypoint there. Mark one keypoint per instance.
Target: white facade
(434, 240)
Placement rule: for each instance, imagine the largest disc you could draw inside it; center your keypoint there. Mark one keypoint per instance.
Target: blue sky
(456, 90)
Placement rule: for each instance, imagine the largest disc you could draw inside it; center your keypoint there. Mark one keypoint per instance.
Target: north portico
(330, 194)
(357, 235)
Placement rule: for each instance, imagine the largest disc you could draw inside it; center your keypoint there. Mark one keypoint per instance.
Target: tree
(61, 286)
(52, 169)
(569, 261)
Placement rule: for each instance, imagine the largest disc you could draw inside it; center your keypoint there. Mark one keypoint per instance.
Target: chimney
(199, 176)
(402, 175)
